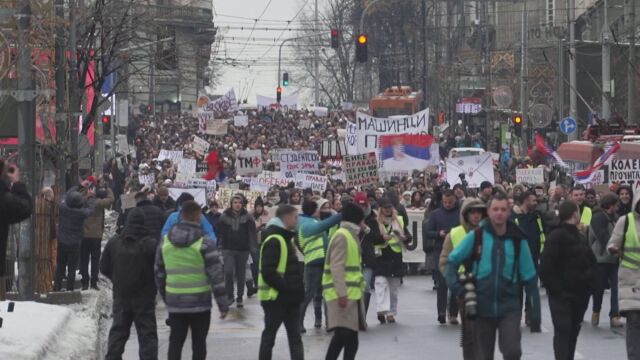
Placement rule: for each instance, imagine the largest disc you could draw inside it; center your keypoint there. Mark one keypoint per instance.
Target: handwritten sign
(530, 176)
(361, 170)
(174, 156)
(299, 161)
(248, 162)
(146, 179)
(240, 121)
(274, 178)
(217, 127)
(311, 181)
(187, 166)
(225, 195)
(127, 201)
(200, 145)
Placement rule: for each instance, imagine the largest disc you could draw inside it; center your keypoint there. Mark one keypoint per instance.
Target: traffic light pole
(280, 54)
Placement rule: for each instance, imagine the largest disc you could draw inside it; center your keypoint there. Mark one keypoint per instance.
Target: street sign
(568, 125)
(540, 116)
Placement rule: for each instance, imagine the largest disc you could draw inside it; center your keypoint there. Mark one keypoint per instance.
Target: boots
(595, 319)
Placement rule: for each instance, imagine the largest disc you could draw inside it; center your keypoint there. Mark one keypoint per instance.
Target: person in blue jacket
(174, 218)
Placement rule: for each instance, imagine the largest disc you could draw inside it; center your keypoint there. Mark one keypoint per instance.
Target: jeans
(66, 263)
(142, 313)
(508, 328)
(346, 339)
(442, 293)
(276, 314)
(607, 275)
(633, 335)
(567, 315)
(235, 263)
(90, 251)
(312, 289)
(180, 324)
(367, 274)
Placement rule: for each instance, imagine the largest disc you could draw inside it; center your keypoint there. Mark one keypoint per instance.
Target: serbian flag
(414, 145)
(215, 168)
(585, 176)
(546, 150)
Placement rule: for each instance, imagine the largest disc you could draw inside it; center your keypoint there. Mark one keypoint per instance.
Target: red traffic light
(105, 119)
(279, 90)
(334, 32)
(362, 39)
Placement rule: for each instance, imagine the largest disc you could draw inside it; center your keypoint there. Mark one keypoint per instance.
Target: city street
(416, 335)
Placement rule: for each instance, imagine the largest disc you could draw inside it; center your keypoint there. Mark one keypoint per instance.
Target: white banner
(216, 127)
(174, 156)
(199, 195)
(368, 129)
(224, 196)
(530, 176)
(240, 121)
(200, 145)
(415, 228)
(311, 181)
(273, 178)
(187, 166)
(287, 101)
(294, 161)
(224, 104)
(476, 169)
(625, 172)
(248, 162)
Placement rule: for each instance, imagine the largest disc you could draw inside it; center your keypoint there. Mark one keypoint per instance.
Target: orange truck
(397, 100)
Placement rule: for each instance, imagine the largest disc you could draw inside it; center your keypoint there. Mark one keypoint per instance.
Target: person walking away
(153, 215)
(280, 287)
(91, 244)
(128, 260)
(501, 261)
(187, 271)
(15, 206)
(389, 269)
(74, 210)
(602, 224)
(440, 223)
(568, 271)
(343, 285)
(237, 232)
(175, 217)
(624, 242)
(473, 211)
(313, 241)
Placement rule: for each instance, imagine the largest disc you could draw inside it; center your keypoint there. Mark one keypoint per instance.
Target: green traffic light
(285, 83)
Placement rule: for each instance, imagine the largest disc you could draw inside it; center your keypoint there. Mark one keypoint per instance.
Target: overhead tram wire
(254, 26)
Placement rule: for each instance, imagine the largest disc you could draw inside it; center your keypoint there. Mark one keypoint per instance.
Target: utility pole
(631, 70)
(26, 143)
(561, 77)
(74, 94)
(61, 118)
(316, 60)
(424, 56)
(573, 97)
(524, 85)
(606, 64)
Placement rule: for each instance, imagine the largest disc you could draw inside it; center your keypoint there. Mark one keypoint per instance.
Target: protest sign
(146, 179)
(311, 181)
(217, 127)
(391, 175)
(361, 170)
(415, 228)
(128, 201)
(351, 138)
(273, 178)
(248, 162)
(225, 194)
(182, 179)
(295, 161)
(174, 156)
(187, 166)
(259, 186)
(199, 195)
(200, 145)
(224, 104)
(530, 176)
(201, 183)
(625, 172)
(203, 118)
(476, 169)
(240, 121)
(304, 124)
(368, 129)
(407, 152)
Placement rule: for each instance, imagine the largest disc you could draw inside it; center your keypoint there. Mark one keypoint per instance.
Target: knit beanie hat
(352, 213)
(136, 217)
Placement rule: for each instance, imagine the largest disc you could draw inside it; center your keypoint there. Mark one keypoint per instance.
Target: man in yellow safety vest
(578, 194)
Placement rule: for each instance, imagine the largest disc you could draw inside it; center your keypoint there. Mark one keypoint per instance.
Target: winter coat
(389, 263)
(310, 227)
(167, 207)
(447, 246)
(567, 264)
(237, 231)
(499, 275)
(15, 206)
(290, 286)
(153, 218)
(599, 233)
(94, 224)
(348, 317)
(205, 226)
(440, 219)
(185, 234)
(74, 210)
(528, 223)
(628, 279)
(128, 261)
(369, 241)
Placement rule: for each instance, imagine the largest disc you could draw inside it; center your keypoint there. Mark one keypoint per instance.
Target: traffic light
(361, 48)
(517, 125)
(335, 40)
(285, 79)
(278, 94)
(106, 125)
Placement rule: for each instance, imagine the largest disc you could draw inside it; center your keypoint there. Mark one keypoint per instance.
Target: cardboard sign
(224, 196)
(299, 161)
(625, 172)
(200, 145)
(530, 176)
(476, 169)
(174, 156)
(273, 178)
(187, 166)
(240, 121)
(148, 179)
(248, 162)
(217, 127)
(311, 181)
(361, 170)
(127, 201)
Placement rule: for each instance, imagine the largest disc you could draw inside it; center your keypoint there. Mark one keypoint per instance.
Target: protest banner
(625, 172)
(259, 186)
(476, 169)
(295, 161)
(224, 104)
(187, 166)
(275, 178)
(391, 175)
(240, 121)
(199, 195)
(217, 127)
(407, 152)
(248, 162)
(128, 201)
(201, 183)
(368, 129)
(530, 176)
(200, 145)
(225, 194)
(361, 170)
(174, 156)
(146, 179)
(415, 228)
(267, 102)
(311, 181)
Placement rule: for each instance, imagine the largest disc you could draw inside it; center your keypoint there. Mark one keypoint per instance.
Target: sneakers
(382, 318)
(442, 319)
(453, 320)
(318, 324)
(595, 319)
(391, 319)
(616, 322)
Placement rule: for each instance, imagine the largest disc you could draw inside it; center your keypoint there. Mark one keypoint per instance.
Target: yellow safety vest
(457, 234)
(266, 292)
(393, 244)
(543, 239)
(332, 230)
(585, 217)
(631, 249)
(352, 270)
(312, 247)
(185, 268)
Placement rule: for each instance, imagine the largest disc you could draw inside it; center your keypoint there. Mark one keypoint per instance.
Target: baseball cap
(360, 198)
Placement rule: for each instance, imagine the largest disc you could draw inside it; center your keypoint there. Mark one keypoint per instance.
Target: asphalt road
(417, 335)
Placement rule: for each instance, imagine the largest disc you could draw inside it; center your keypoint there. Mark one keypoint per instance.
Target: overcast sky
(261, 77)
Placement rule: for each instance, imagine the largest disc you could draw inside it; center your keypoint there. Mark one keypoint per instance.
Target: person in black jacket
(236, 232)
(128, 260)
(15, 206)
(154, 217)
(568, 270)
(289, 286)
(165, 202)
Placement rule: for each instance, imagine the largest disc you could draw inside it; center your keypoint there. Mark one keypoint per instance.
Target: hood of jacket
(467, 205)
(185, 233)
(73, 199)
